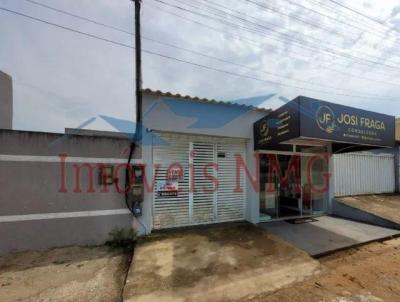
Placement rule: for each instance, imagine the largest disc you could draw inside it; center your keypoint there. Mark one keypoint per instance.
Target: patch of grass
(122, 239)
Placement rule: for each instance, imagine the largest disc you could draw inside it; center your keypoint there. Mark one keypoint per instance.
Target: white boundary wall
(363, 173)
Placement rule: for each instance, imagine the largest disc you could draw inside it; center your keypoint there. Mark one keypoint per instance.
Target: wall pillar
(6, 101)
(331, 193)
(396, 168)
(252, 195)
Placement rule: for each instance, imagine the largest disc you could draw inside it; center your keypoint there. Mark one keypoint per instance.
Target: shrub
(122, 239)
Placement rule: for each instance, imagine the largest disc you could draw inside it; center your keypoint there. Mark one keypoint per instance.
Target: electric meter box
(137, 193)
(136, 188)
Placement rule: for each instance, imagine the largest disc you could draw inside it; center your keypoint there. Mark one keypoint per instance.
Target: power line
(78, 16)
(363, 15)
(249, 77)
(64, 27)
(381, 35)
(348, 56)
(242, 38)
(275, 10)
(319, 41)
(188, 50)
(316, 25)
(328, 16)
(253, 69)
(91, 20)
(294, 40)
(319, 26)
(330, 7)
(248, 39)
(177, 59)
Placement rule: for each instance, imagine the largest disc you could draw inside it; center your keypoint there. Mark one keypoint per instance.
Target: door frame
(301, 210)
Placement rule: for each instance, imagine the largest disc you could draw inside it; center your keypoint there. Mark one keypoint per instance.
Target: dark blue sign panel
(316, 119)
(279, 126)
(345, 124)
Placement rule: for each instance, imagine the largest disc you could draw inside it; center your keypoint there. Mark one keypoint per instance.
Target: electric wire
(257, 43)
(127, 32)
(363, 15)
(193, 51)
(326, 16)
(181, 60)
(298, 42)
(381, 35)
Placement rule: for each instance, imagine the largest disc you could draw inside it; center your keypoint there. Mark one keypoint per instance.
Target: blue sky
(62, 79)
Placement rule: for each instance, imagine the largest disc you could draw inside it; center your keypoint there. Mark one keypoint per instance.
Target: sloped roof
(200, 100)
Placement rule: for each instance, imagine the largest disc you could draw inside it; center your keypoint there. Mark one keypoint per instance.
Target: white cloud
(62, 78)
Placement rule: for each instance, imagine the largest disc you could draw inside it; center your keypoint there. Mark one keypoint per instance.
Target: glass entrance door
(280, 186)
(315, 184)
(292, 185)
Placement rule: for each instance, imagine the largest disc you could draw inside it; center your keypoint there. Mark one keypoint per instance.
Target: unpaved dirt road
(367, 274)
(222, 263)
(64, 274)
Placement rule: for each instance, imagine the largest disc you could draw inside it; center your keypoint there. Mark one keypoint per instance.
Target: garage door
(206, 161)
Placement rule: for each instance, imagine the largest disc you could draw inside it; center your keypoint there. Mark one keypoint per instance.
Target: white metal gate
(230, 204)
(198, 201)
(363, 173)
(203, 194)
(171, 211)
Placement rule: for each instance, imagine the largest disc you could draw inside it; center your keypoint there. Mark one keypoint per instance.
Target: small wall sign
(167, 188)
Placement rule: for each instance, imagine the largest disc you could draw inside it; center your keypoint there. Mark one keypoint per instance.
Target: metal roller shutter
(171, 211)
(230, 204)
(201, 205)
(203, 195)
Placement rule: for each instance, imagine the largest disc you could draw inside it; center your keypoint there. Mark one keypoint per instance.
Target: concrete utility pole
(131, 199)
(138, 62)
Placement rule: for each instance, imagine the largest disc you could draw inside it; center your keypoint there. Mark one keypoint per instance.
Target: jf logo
(325, 119)
(264, 129)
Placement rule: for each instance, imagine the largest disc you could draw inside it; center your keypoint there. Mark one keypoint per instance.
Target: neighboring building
(370, 172)
(6, 101)
(51, 193)
(398, 130)
(397, 156)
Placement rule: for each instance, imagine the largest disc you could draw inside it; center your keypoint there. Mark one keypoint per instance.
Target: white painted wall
(158, 117)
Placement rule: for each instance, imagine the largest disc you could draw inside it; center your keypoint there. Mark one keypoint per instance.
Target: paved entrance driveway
(327, 234)
(214, 264)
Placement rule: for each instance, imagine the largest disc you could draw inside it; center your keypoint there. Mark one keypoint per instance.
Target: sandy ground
(386, 206)
(64, 274)
(214, 264)
(366, 274)
(240, 263)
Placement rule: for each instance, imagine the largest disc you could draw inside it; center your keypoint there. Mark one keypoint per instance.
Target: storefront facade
(293, 184)
(211, 162)
(296, 143)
